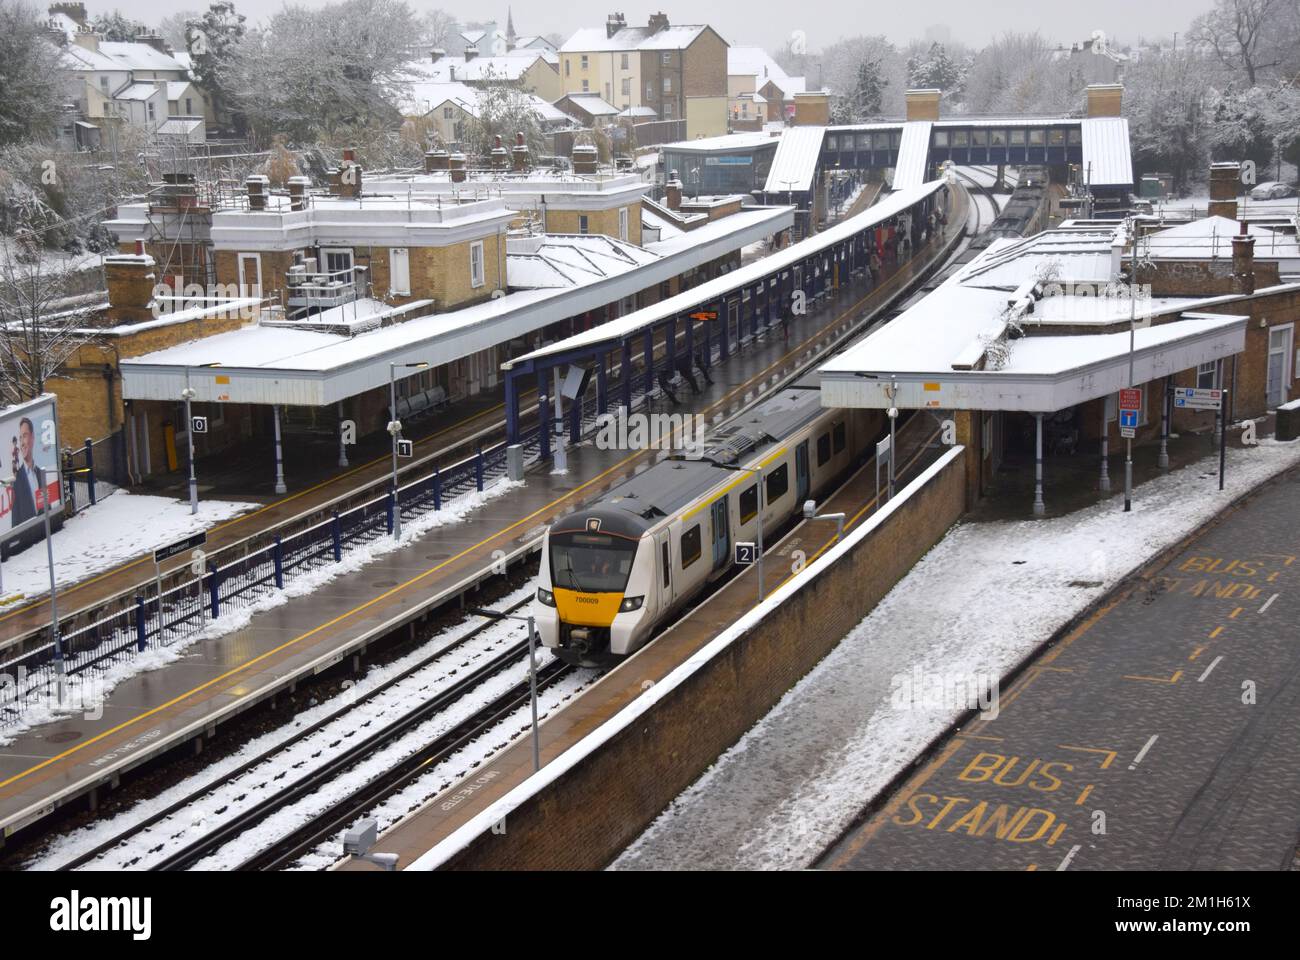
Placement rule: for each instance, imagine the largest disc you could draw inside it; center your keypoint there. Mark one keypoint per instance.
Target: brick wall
(587, 816)
(598, 221)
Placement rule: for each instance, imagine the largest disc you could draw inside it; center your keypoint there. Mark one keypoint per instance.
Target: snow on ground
(87, 692)
(978, 603)
(116, 529)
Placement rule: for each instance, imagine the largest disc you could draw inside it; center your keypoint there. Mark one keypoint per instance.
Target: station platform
(1159, 734)
(918, 447)
(214, 680)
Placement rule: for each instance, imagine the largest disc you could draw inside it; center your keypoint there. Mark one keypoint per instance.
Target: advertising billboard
(29, 465)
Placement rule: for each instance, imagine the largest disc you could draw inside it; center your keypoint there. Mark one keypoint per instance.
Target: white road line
(1201, 678)
(1268, 603)
(1065, 864)
(1143, 752)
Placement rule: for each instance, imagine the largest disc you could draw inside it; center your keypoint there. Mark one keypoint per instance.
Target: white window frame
(245, 290)
(477, 264)
(1287, 351)
(324, 265)
(1211, 369)
(668, 84)
(666, 58)
(623, 220)
(399, 278)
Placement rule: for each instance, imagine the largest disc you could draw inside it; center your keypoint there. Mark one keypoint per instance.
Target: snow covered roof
(758, 63)
(593, 104)
(795, 164)
(1211, 237)
(176, 88)
(568, 259)
(140, 56)
(419, 97)
(180, 126)
(1107, 157)
(478, 69)
(721, 144)
(667, 229)
(78, 59)
(137, 91)
(718, 287)
(951, 350)
(597, 40)
(913, 154)
(276, 365)
(637, 112)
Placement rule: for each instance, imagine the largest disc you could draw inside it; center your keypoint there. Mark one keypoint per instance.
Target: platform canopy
(716, 289)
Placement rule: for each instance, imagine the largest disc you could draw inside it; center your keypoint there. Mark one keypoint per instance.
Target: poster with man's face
(30, 471)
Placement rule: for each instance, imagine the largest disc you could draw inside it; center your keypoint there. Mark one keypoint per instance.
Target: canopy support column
(1040, 508)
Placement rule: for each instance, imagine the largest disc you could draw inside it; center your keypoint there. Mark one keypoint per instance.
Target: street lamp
(532, 667)
(54, 592)
(395, 431)
(810, 513)
(188, 394)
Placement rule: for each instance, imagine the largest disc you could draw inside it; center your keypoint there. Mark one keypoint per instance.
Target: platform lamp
(187, 395)
(395, 431)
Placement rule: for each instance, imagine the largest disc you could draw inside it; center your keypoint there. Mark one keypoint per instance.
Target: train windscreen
(591, 562)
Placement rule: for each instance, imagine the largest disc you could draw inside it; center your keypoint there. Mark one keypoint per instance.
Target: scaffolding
(188, 181)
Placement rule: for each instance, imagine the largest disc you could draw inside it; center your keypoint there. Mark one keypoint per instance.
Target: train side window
(690, 546)
(823, 449)
(668, 565)
(778, 482)
(841, 436)
(749, 504)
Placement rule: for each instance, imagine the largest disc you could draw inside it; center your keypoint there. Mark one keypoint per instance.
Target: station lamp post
(532, 667)
(395, 431)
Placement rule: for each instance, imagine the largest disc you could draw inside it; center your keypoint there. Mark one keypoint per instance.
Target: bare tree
(31, 78)
(41, 325)
(1241, 34)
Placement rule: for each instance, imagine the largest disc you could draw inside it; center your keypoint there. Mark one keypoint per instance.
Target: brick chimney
(298, 193)
(456, 164)
(258, 186)
(586, 158)
(149, 38)
(1224, 180)
(1105, 99)
(613, 24)
(130, 279)
(923, 104)
(76, 12)
(436, 158)
(471, 52)
(673, 192)
(1243, 262)
(86, 38)
(519, 154)
(345, 180)
(658, 22)
(812, 108)
(500, 157)
(436, 54)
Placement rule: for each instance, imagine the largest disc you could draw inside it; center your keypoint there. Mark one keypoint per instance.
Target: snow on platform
(978, 603)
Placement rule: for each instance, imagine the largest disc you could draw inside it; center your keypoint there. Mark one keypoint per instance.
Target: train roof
(670, 486)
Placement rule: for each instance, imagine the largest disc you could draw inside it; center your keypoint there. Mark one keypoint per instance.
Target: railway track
(333, 741)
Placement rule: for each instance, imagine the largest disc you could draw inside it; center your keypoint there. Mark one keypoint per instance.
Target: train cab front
(585, 609)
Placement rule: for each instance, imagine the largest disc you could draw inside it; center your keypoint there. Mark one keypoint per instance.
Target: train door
(664, 563)
(801, 472)
(721, 534)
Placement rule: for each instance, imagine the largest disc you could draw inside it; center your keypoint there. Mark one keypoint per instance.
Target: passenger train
(615, 571)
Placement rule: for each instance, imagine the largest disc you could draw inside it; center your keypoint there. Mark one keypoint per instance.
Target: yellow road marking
(1084, 796)
(1173, 679)
(1197, 652)
(1233, 615)
(1110, 754)
(1215, 632)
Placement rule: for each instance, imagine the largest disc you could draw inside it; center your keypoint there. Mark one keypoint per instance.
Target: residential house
(758, 88)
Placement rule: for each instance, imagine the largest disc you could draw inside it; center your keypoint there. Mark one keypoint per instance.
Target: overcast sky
(768, 23)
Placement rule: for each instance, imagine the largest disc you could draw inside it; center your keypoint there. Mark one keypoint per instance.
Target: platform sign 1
(406, 448)
(1190, 398)
(746, 553)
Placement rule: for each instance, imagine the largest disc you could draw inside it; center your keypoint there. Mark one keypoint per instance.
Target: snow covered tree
(1163, 96)
(438, 28)
(39, 332)
(1242, 34)
(310, 72)
(213, 41)
(175, 27)
(31, 91)
(869, 91)
(1016, 74)
(115, 26)
(935, 70)
(504, 109)
(838, 66)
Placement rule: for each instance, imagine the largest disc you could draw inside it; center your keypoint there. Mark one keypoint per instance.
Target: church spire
(510, 25)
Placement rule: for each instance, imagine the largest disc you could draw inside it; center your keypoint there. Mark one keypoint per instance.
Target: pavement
(1160, 734)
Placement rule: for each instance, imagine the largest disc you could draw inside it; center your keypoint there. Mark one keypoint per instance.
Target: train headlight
(545, 596)
(630, 603)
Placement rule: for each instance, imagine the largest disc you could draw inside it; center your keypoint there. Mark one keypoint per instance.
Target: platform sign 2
(746, 553)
